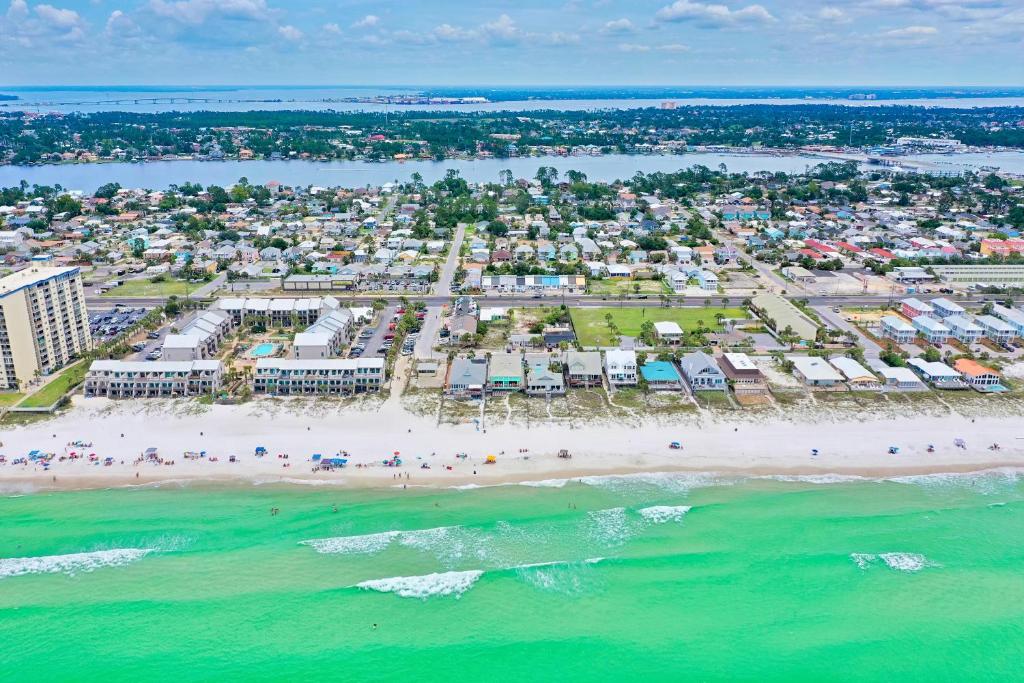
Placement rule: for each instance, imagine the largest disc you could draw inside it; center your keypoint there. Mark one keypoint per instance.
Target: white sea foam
(815, 478)
(863, 560)
(450, 544)
(903, 562)
(567, 576)
(545, 483)
(426, 586)
(672, 482)
(352, 545)
(610, 526)
(71, 564)
(660, 514)
(985, 482)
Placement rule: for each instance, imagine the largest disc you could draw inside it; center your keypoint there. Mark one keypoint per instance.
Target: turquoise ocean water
(657, 577)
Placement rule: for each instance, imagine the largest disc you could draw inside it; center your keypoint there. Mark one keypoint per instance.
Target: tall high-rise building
(43, 323)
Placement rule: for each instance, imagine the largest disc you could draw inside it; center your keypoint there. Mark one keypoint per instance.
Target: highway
(579, 300)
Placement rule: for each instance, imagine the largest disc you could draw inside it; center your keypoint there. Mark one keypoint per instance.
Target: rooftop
(30, 276)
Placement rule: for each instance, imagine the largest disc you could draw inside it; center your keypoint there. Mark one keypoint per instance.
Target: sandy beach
(371, 433)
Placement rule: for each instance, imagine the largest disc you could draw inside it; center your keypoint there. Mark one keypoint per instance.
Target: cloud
(290, 33)
(332, 28)
(713, 15)
(120, 24)
(833, 14)
(28, 27)
(639, 47)
(908, 36)
(452, 34)
(502, 32)
(618, 26)
(369, 21)
(195, 12)
(64, 19)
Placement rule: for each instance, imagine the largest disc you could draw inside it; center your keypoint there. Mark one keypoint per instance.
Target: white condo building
(44, 324)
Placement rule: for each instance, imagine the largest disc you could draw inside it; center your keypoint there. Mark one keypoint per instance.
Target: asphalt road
(444, 283)
(553, 299)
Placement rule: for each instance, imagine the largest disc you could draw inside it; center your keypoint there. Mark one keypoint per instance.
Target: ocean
(644, 577)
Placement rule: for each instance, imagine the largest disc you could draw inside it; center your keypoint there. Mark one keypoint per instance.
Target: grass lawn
(617, 287)
(9, 399)
(145, 288)
(592, 329)
(49, 394)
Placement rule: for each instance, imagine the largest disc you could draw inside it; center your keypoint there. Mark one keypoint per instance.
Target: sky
(506, 42)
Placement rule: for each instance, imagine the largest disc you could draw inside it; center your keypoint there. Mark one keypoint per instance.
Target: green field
(9, 399)
(592, 329)
(51, 393)
(617, 287)
(146, 288)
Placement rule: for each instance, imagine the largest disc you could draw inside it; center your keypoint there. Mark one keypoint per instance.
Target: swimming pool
(263, 350)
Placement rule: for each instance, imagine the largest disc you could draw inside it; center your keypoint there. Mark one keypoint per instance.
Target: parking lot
(377, 343)
(107, 324)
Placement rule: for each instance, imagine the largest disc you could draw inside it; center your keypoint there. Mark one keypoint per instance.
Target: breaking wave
(352, 545)
(547, 575)
(660, 514)
(902, 562)
(71, 564)
(426, 586)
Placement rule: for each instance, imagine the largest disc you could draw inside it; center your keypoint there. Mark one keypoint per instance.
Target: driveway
(373, 343)
(444, 283)
(871, 349)
(428, 334)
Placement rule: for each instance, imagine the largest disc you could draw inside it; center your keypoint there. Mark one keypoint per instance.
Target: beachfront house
(621, 367)
(505, 372)
(742, 374)
(897, 329)
(544, 375)
(978, 376)
(999, 331)
(933, 331)
(963, 329)
(153, 379)
(583, 368)
(937, 374)
(297, 377)
(661, 375)
(814, 371)
(857, 376)
(467, 378)
(702, 372)
(901, 378)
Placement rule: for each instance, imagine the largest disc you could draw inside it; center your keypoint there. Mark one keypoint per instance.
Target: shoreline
(769, 446)
(734, 151)
(363, 481)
